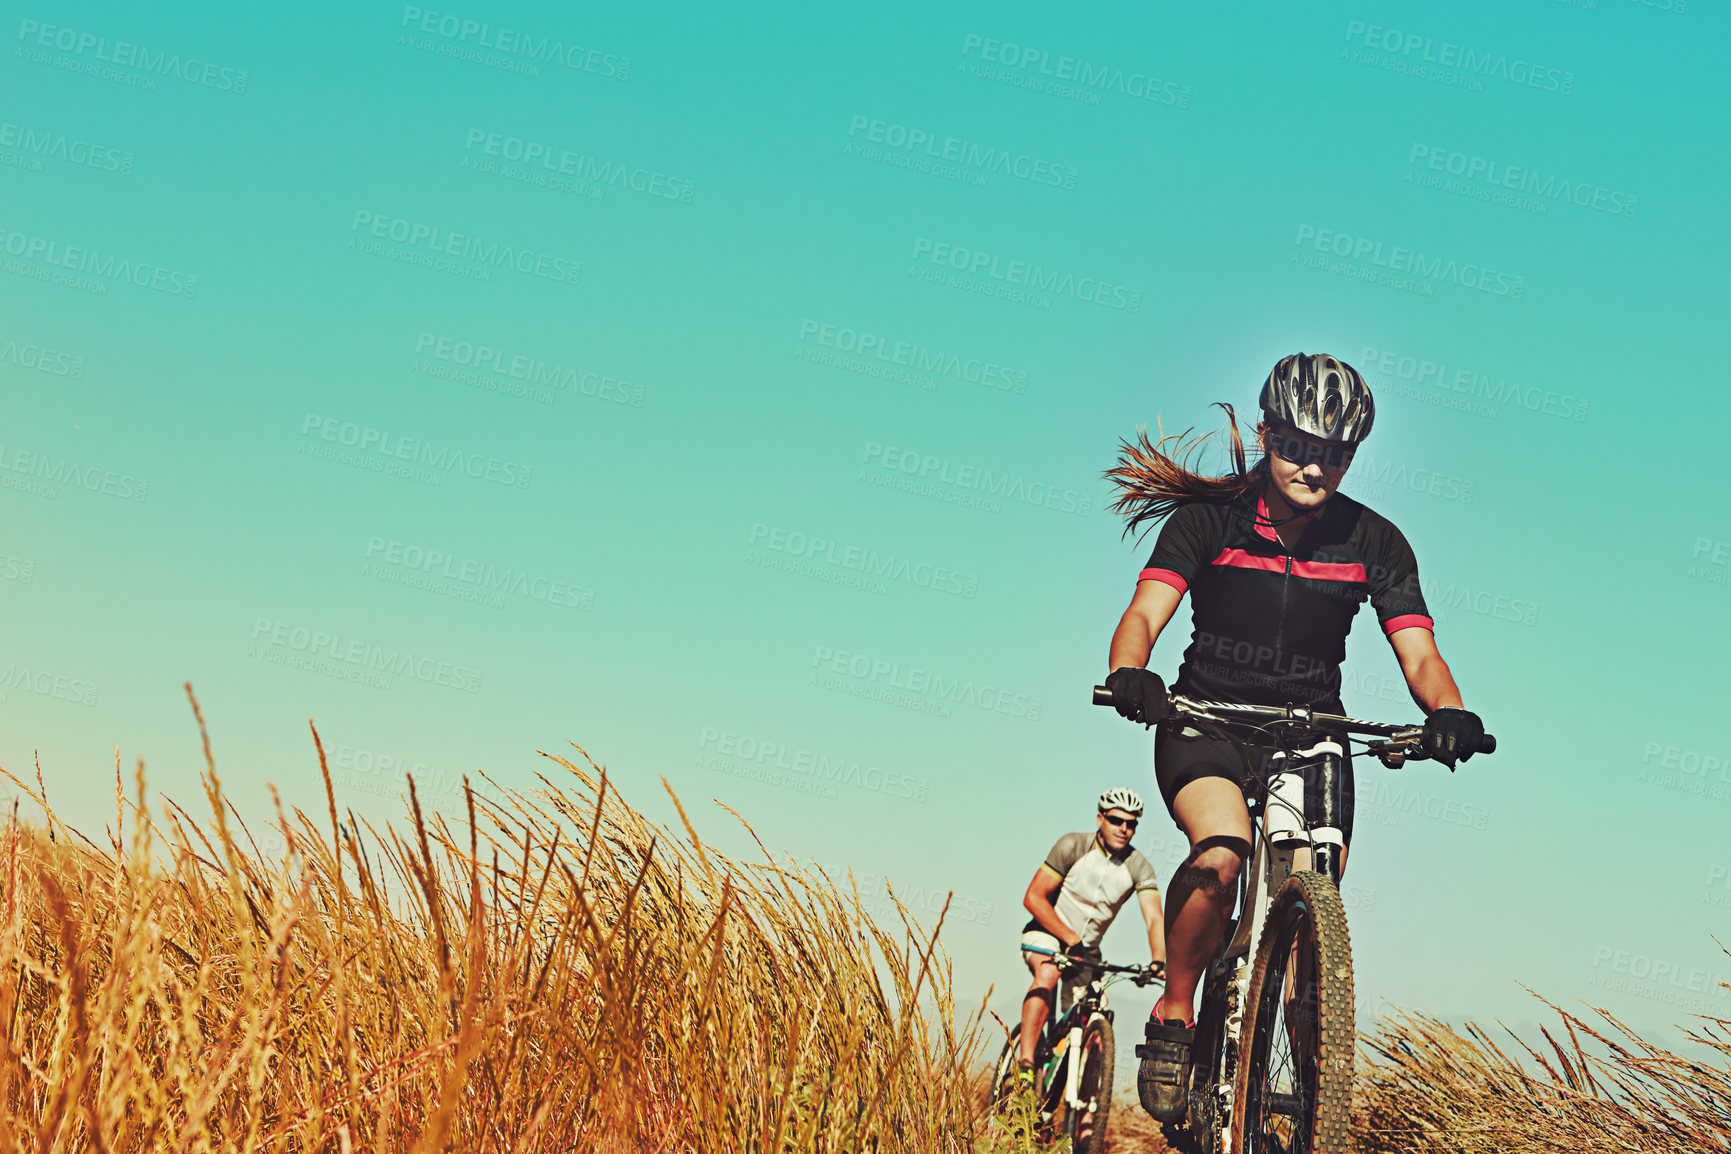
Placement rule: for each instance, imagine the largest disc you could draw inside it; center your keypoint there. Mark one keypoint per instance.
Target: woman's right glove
(1139, 695)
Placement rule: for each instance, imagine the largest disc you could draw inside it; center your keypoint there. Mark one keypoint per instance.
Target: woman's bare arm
(1150, 609)
(1427, 674)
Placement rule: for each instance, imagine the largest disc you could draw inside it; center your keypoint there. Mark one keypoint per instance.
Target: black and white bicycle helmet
(1127, 800)
(1320, 395)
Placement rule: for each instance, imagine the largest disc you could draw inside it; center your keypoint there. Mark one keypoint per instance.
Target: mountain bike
(1271, 1056)
(1073, 1057)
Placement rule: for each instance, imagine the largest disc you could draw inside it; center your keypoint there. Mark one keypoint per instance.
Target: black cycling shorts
(1180, 760)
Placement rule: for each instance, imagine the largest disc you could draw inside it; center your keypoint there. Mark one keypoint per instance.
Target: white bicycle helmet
(1127, 800)
(1320, 395)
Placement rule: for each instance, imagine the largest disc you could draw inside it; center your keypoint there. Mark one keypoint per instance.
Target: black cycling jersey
(1271, 626)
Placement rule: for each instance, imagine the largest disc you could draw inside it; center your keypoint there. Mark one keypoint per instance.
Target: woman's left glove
(1451, 735)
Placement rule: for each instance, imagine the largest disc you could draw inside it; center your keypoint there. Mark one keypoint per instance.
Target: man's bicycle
(1073, 1057)
(1272, 1053)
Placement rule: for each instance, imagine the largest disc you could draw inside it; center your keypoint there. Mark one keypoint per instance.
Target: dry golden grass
(556, 975)
(1429, 1089)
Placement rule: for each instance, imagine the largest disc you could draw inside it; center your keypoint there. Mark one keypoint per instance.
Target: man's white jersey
(1096, 885)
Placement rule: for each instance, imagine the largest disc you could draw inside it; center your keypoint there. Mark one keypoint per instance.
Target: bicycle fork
(1073, 1069)
(1269, 871)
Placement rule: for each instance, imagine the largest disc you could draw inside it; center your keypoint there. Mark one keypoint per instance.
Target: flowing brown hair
(1152, 480)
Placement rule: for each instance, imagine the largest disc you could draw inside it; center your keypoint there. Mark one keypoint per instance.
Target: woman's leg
(1212, 814)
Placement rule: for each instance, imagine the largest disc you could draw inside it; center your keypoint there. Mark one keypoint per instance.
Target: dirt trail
(1131, 1131)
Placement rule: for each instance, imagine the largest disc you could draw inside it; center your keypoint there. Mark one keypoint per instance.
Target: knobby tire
(1293, 1091)
(1004, 1073)
(1086, 1128)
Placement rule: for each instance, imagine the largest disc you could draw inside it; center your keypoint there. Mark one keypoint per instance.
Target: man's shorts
(1182, 755)
(1038, 940)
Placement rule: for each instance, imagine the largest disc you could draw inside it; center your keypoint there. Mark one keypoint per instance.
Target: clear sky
(728, 390)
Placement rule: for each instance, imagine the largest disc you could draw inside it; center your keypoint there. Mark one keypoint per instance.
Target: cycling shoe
(1164, 1079)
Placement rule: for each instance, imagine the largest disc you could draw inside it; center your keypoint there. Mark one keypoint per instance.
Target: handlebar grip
(1102, 695)
(1487, 744)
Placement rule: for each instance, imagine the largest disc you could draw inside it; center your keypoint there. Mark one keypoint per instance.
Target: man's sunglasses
(1304, 451)
(1124, 821)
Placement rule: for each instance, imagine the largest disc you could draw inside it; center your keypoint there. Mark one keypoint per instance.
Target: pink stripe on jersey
(1239, 559)
(1165, 575)
(1329, 570)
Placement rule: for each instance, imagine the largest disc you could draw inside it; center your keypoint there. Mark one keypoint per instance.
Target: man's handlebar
(1232, 711)
(1141, 975)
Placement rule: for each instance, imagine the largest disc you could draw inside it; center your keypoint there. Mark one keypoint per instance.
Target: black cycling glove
(1451, 735)
(1083, 959)
(1139, 695)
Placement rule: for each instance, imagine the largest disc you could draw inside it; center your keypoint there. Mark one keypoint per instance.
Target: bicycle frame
(1091, 1003)
(1072, 1047)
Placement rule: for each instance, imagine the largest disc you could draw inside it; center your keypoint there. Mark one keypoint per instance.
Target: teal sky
(524, 370)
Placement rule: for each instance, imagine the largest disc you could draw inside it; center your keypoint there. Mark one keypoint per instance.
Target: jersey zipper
(1285, 583)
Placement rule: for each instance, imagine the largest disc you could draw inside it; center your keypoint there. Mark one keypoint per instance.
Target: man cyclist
(1090, 876)
(1277, 562)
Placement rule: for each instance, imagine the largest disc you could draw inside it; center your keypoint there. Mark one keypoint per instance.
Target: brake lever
(1395, 754)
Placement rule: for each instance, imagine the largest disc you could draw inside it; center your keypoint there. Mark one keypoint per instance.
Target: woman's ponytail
(1152, 480)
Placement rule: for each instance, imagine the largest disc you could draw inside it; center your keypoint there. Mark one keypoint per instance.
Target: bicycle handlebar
(1336, 722)
(1141, 975)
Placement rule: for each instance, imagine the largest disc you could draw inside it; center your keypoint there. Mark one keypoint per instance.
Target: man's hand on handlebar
(1077, 955)
(1451, 735)
(1139, 695)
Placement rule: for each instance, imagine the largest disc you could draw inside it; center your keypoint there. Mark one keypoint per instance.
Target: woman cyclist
(1277, 562)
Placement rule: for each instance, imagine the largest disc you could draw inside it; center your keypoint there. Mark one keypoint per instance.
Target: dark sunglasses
(1124, 821)
(1304, 451)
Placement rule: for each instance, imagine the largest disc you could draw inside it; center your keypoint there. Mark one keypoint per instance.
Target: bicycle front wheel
(1004, 1072)
(1294, 1084)
(1086, 1125)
